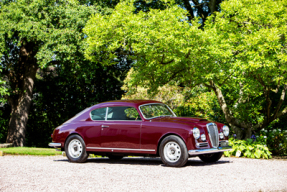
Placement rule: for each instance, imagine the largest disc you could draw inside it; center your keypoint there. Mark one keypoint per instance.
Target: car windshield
(155, 110)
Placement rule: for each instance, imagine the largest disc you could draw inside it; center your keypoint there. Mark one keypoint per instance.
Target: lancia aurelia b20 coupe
(140, 128)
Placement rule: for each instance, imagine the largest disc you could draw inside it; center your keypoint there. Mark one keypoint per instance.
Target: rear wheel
(210, 158)
(173, 151)
(75, 149)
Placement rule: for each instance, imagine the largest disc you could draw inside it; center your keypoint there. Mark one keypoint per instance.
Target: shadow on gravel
(195, 162)
(146, 161)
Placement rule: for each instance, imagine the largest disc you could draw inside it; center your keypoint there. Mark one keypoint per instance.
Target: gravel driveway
(55, 173)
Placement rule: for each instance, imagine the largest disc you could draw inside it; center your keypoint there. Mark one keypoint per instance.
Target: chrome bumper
(207, 151)
(56, 145)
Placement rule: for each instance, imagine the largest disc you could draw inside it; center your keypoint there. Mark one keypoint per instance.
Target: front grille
(213, 134)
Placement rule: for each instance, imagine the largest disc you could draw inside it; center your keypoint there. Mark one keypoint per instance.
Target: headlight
(221, 135)
(203, 137)
(196, 133)
(225, 130)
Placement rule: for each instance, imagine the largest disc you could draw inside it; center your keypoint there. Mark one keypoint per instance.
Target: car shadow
(146, 161)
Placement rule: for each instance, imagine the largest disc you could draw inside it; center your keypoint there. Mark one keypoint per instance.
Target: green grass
(30, 151)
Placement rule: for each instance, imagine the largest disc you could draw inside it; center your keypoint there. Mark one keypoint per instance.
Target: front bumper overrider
(208, 151)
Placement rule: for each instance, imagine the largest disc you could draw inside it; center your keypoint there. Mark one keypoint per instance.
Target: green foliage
(195, 102)
(250, 46)
(199, 102)
(276, 140)
(160, 42)
(53, 26)
(248, 148)
(66, 83)
(30, 151)
(132, 113)
(240, 55)
(171, 95)
(3, 91)
(60, 95)
(4, 121)
(156, 110)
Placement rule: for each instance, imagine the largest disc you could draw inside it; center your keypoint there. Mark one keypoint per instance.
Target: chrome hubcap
(75, 148)
(172, 151)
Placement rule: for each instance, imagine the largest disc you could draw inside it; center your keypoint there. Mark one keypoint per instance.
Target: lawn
(30, 151)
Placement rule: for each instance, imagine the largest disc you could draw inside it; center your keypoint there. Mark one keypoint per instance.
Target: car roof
(134, 103)
(130, 103)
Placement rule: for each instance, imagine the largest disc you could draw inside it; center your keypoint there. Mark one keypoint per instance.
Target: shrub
(249, 148)
(276, 141)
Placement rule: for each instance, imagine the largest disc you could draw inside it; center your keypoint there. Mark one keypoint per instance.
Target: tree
(195, 8)
(59, 95)
(35, 34)
(201, 8)
(182, 100)
(240, 55)
(253, 33)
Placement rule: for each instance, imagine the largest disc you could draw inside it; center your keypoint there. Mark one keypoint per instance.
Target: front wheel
(173, 151)
(75, 149)
(210, 158)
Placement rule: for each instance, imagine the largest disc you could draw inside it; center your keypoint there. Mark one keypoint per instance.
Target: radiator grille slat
(213, 134)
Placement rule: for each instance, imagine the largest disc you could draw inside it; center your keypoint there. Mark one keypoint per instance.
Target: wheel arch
(71, 134)
(166, 135)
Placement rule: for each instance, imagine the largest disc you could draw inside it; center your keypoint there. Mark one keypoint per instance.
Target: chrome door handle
(105, 126)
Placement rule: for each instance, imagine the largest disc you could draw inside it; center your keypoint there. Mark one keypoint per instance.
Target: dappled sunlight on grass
(30, 151)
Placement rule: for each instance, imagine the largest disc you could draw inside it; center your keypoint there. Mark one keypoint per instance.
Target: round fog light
(203, 137)
(221, 135)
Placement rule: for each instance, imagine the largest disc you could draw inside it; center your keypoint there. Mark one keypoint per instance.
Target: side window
(132, 114)
(98, 114)
(123, 113)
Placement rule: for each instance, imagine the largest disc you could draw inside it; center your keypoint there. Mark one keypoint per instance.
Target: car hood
(199, 122)
(181, 119)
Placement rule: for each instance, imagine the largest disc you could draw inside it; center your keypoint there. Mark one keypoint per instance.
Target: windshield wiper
(165, 116)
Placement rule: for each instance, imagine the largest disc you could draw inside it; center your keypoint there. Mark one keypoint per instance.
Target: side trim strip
(121, 149)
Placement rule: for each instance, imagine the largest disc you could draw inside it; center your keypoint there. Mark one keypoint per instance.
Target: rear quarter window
(98, 114)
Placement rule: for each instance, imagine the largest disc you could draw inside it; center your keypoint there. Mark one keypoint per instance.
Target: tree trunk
(239, 132)
(212, 6)
(22, 79)
(242, 129)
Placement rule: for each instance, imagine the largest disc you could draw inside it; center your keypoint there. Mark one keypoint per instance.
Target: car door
(121, 130)
(92, 133)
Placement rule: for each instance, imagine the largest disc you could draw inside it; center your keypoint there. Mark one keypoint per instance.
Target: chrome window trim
(106, 116)
(121, 149)
(107, 110)
(153, 104)
(123, 120)
(96, 109)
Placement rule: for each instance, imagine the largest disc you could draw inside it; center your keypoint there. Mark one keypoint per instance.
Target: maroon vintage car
(140, 128)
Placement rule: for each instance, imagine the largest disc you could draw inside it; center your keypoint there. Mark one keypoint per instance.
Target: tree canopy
(253, 33)
(240, 54)
(36, 34)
